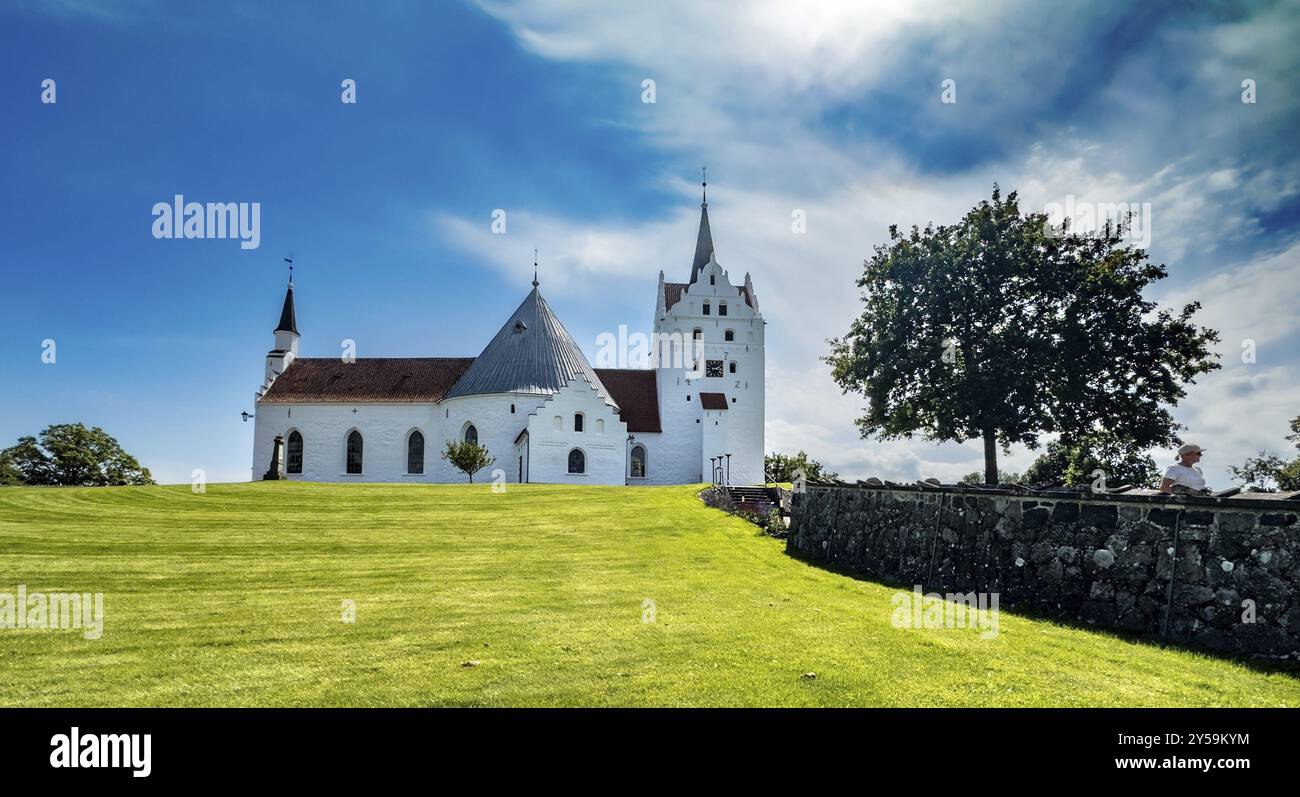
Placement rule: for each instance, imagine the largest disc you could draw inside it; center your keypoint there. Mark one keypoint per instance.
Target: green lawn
(233, 598)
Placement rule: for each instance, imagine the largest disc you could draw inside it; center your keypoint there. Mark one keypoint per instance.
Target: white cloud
(746, 88)
(1255, 300)
(571, 253)
(772, 43)
(1237, 412)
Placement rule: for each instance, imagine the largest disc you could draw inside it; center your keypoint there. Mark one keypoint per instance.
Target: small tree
(1288, 476)
(1074, 463)
(467, 457)
(782, 467)
(1259, 473)
(1004, 477)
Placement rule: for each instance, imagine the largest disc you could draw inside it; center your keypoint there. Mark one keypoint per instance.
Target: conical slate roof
(533, 353)
(703, 243)
(288, 319)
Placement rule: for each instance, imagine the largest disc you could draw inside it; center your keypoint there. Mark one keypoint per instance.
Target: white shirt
(1188, 477)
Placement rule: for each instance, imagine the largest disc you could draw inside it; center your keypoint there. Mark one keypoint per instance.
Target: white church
(533, 400)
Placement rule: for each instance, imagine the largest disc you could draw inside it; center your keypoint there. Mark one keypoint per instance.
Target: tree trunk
(990, 457)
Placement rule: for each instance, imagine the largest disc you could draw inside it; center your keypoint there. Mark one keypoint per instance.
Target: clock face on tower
(713, 368)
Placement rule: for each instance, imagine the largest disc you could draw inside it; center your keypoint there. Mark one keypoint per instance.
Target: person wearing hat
(1184, 473)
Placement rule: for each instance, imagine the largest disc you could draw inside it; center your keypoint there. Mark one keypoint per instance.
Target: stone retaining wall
(1223, 574)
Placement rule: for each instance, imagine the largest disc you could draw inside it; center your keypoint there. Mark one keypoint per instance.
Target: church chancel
(532, 399)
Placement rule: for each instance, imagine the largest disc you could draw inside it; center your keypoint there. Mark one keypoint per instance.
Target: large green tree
(26, 463)
(71, 455)
(1001, 328)
(10, 473)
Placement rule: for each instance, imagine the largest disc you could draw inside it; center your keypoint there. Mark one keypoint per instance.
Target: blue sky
(537, 109)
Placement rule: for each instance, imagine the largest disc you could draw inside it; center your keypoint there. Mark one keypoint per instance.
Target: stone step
(756, 499)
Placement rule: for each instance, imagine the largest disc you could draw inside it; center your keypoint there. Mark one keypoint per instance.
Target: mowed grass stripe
(233, 598)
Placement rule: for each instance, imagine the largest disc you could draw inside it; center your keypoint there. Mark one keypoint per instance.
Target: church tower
(711, 390)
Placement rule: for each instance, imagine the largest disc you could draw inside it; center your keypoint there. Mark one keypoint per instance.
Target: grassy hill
(234, 598)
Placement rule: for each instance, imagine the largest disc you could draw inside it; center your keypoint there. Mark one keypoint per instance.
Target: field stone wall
(1180, 567)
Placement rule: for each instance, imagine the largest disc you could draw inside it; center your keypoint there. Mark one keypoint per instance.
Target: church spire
(288, 318)
(286, 336)
(704, 241)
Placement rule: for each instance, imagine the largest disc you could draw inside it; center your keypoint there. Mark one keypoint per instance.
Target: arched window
(600, 426)
(706, 308)
(699, 333)
(577, 422)
(293, 455)
(415, 452)
(733, 366)
(558, 422)
(729, 335)
(354, 451)
(638, 462)
(577, 461)
(471, 434)
(722, 308)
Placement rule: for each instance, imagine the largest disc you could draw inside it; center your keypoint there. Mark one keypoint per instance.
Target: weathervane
(704, 183)
(534, 268)
(289, 260)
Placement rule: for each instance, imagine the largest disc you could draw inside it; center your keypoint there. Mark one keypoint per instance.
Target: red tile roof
(673, 294)
(713, 401)
(637, 392)
(367, 380)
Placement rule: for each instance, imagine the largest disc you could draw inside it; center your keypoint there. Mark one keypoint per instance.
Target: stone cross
(275, 473)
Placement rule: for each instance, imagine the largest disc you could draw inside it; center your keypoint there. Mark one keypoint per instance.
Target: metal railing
(720, 470)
